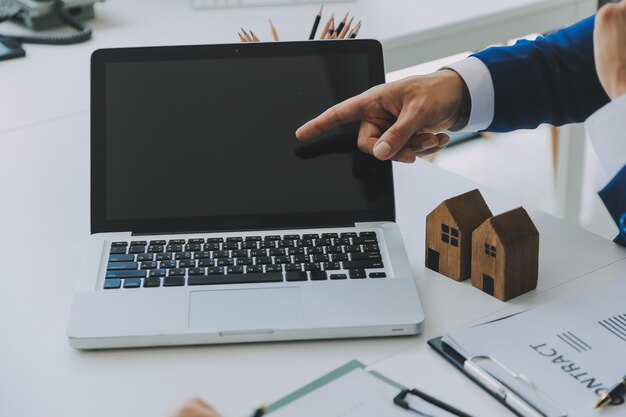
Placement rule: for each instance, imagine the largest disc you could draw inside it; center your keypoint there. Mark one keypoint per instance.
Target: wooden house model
(505, 256)
(449, 230)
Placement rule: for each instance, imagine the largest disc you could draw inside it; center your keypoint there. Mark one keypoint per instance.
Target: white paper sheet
(356, 394)
(573, 350)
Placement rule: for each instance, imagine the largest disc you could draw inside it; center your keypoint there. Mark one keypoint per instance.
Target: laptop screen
(205, 140)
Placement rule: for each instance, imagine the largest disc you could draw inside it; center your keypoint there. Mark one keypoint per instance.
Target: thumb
(394, 138)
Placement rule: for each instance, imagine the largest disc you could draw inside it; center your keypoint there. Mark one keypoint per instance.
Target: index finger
(345, 112)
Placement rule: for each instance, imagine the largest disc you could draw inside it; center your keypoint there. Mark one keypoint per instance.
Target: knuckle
(363, 147)
(395, 136)
(606, 13)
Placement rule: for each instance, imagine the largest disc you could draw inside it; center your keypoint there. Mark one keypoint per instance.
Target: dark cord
(83, 31)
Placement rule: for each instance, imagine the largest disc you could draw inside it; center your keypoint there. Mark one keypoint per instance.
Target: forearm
(549, 80)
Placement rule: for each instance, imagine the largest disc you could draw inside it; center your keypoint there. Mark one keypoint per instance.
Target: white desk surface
(53, 81)
(44, 135)
(45, 226)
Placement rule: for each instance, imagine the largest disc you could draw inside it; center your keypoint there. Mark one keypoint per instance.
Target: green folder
(324, 380)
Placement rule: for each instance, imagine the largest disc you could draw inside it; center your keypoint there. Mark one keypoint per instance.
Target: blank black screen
(215, 137)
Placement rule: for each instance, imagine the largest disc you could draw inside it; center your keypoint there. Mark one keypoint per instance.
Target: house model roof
(514, 226)
(469, 210)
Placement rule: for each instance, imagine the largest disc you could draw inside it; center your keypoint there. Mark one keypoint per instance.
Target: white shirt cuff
(480, 85)
(606, 129)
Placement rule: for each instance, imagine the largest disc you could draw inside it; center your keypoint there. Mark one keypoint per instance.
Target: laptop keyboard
(243, 260)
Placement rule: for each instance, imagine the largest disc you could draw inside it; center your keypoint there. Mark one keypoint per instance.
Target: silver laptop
(211, 223)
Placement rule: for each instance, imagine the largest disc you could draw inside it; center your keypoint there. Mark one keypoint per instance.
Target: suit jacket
(552, 80)
(614, 198)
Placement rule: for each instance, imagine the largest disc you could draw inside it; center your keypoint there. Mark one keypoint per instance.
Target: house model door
(432, 261)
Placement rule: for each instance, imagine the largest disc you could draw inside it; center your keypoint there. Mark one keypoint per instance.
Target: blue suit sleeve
(614, 198)
(549, 80)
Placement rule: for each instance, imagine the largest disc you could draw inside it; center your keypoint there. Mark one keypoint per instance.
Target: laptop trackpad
(246, 309)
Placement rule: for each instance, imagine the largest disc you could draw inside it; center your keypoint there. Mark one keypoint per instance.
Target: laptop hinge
(189, 232)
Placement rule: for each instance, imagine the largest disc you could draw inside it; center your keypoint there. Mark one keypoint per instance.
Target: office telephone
(41, 14)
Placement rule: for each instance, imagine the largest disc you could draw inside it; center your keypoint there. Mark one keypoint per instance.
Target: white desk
(45, 226)
(44, 219)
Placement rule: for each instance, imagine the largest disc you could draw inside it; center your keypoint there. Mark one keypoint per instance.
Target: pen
(617, 391)
(505, 395)
(274, 33)
(316, 23)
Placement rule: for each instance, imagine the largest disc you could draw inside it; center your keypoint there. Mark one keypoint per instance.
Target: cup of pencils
(344, 30)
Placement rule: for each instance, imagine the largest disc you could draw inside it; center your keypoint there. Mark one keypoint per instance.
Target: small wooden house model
(449, 230)
(505, 257)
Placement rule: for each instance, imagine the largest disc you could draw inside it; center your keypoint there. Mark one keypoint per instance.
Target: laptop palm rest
(251, 310)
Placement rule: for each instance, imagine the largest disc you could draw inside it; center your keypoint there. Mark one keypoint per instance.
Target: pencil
(327, 26)
(342, 24)
(241, 38)
(246, 36)
(352, 30)
(356, 31)
(331, 29)
(274, 33)
(254, 37)
(316, 23)
(345, 29)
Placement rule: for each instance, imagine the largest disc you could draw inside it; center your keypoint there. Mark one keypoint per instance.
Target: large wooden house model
(505, 256)
(449, 234)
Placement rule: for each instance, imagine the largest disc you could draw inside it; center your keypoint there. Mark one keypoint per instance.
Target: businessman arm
(551, 80)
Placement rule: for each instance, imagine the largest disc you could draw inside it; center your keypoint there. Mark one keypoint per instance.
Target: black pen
(316, 23)
(617, 391)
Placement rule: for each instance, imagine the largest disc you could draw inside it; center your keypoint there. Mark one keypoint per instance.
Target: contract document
(559, 357)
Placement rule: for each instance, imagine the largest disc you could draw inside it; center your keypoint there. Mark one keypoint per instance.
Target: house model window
(449, 235)
(490, 250)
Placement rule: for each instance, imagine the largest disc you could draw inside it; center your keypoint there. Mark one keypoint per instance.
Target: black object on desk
(400, 401)
(10, 49)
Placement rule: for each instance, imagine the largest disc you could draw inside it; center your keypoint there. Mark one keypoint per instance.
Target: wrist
(464, 101)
